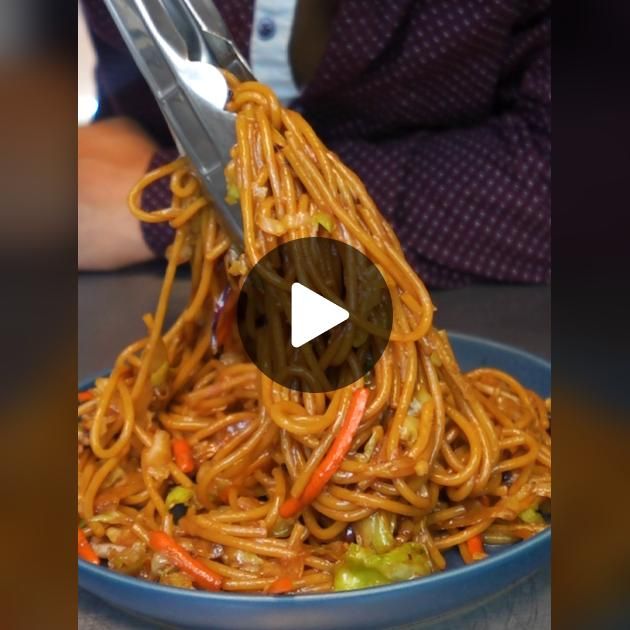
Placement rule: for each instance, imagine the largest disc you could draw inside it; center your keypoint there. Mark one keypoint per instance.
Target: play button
(314, 314)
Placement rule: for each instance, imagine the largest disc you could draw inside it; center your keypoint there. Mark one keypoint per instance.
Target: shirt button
(266, 28)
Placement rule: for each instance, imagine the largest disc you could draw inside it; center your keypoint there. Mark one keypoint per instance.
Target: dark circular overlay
(336, 271)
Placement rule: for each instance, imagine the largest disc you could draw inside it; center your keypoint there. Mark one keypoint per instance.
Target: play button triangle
(312, 315)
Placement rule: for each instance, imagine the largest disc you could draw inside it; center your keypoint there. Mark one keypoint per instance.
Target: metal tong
(179, 46)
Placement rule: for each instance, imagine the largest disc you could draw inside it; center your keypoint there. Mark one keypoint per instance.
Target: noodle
(441, 456)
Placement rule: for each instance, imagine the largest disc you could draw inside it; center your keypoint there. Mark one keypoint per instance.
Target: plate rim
(494, 561)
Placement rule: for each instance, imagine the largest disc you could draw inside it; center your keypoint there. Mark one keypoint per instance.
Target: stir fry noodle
(196, 470)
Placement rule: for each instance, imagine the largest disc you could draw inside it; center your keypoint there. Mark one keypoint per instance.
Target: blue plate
(459, 586)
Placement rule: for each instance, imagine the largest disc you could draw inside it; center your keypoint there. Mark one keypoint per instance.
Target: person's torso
(388, 66)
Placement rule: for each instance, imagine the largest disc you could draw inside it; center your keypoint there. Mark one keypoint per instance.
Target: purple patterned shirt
(443, 108)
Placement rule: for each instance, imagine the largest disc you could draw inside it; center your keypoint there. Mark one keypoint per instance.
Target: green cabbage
(376, 532)
(363, 567)
(233, 193)
(532, 516)
(178, 494)
(323, 219)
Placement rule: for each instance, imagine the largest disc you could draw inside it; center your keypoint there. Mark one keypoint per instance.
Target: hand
(113, 156)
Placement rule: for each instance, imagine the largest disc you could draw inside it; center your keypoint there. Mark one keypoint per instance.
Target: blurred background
(38, 315)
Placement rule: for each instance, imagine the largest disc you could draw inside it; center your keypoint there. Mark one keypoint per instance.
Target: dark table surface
(110, 310)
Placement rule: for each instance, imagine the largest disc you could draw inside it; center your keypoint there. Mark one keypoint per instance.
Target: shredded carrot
(86, 395)
(475, 547)
(226, 319)
(202, 575)
(281, 585)
(333, 458)
(183, 454)
(85, 549)
(290, 507)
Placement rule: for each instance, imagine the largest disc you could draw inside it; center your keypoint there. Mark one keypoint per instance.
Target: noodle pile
(441, 459)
